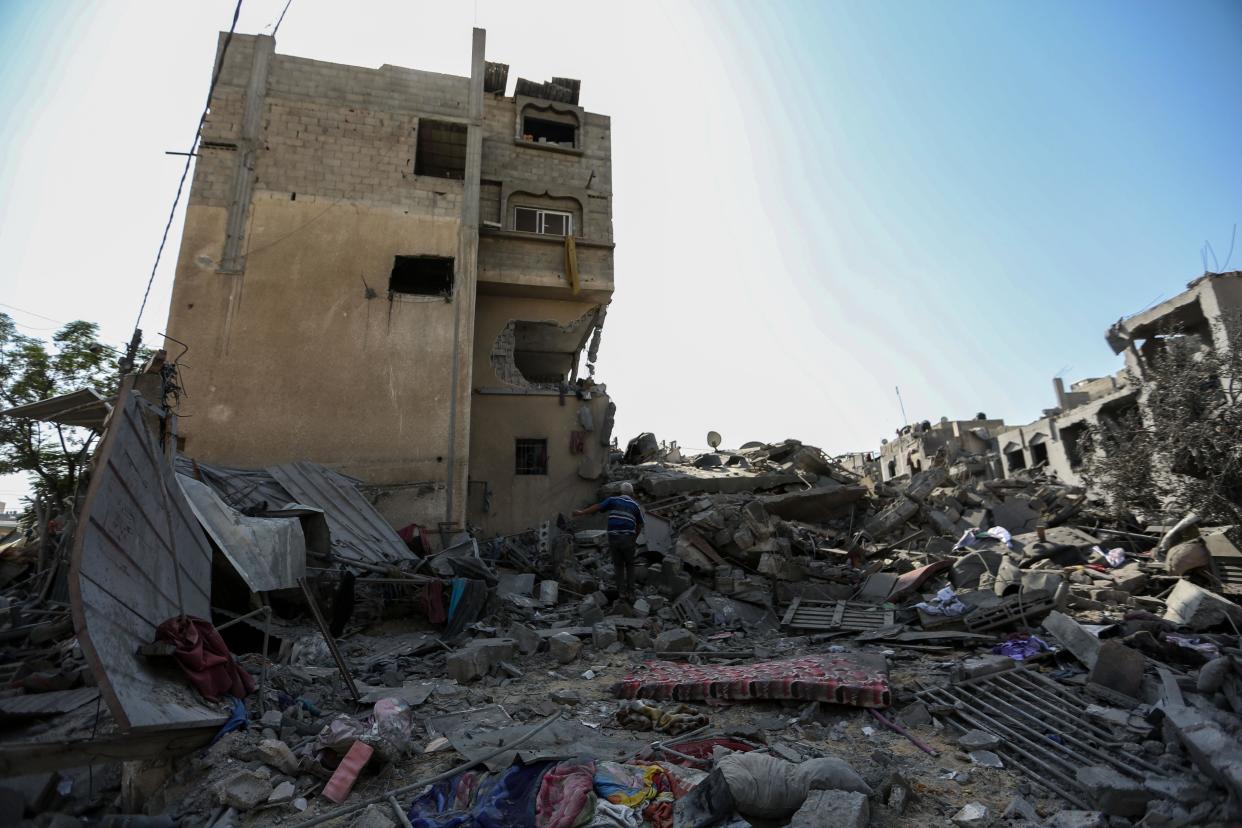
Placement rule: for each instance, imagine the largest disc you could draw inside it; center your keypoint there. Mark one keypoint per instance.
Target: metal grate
(531, 456)
(1017, 609)
(1044, 729)
(835, 615)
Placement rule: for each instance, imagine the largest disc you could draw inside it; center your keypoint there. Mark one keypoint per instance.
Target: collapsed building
(397, 273)
(1055, 442)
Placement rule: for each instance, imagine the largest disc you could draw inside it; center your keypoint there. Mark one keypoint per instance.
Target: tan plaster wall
(498, 420)
(358, 384)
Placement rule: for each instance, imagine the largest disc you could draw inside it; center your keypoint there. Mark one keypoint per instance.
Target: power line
(189, 159)
(32, 313)
(280, 19)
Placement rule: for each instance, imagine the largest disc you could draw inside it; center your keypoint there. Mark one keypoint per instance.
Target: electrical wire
(189, 159)
(281, 19)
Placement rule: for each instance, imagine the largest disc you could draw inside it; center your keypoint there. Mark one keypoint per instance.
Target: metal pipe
(896, 728)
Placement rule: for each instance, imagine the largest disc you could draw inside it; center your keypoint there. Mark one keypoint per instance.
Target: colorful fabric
(566, 797)
(478, 800)
(631, 785)
(857, 679)
(205, 658)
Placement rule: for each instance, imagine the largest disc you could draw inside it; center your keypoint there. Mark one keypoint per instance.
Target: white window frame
(541, 219)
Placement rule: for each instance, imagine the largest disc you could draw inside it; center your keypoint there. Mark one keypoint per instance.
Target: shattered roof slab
(86, 408)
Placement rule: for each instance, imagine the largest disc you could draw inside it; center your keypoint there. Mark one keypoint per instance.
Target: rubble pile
(801, 643)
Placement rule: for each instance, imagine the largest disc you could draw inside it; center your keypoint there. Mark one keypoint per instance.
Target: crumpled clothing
(1190, 642)
(679, 718)
(945, 603)
(432, 600)
(566, 796)
(1115, 557)
(608, 815)
(971, 537)
(1021, 647)
(205, 658)
(478, 800)
(632, 785)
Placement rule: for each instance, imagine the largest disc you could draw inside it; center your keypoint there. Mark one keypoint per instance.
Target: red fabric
(858, 679)
(433, 602)
(205, 658)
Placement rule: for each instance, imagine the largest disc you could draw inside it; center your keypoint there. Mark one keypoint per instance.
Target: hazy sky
(814, 202)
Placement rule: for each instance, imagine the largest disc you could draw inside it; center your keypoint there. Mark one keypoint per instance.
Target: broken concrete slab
(1118, 668)
(1193, 606)
(564, 647)
(822, 503)
(1113, 792)
(1074, 637)
(848, 809)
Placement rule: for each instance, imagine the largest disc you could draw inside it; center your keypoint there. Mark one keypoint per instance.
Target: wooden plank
(789, 614)
(838, 613)
(40, 757)
(47, 704)
(139, 558)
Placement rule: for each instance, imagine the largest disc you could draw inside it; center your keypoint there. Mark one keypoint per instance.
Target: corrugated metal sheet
(139, 558)
(267, 552)
(359, 534)
(86, 408)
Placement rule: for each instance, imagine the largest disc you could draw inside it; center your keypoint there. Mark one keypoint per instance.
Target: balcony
(512, 263)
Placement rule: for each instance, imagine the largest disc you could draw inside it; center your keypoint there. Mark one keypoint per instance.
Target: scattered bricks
(1114, 793)
(1129, 578)
(346, 773)
(564, 647)
(848, 809)
(1118, 668)
(245, 789)
(526, 639)
(277, 754)
(972, 668)
(1214, 751)
(604, 634)
(978, 740)
(677, 640)
(375, 816)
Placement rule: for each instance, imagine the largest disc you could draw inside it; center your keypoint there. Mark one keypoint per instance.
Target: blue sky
(814, 202)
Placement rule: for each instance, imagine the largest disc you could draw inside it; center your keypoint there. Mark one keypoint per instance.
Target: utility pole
(904, 420)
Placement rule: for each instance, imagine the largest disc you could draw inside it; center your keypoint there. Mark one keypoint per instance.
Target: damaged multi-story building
(398, 273)
(1056, 442)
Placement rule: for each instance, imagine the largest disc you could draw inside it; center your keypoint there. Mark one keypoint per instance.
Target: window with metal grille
(531, 457)
(547, 222)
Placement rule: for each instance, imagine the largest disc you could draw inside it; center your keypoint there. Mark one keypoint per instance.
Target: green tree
(32, 370)
(1182, 452)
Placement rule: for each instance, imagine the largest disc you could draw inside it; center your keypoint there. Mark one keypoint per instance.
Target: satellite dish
(713, 439)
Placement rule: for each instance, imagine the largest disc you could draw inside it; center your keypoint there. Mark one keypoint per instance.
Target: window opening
(1039, 454)
(441, 149)
(1072, 436)
(422, 276)
(531, 456)
(548, 132)
(1016, 460)
(547, 222)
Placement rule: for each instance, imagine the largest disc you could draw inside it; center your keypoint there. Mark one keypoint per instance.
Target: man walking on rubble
(625, 518)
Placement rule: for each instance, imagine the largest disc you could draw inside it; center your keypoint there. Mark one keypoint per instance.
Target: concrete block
(603, 634)
(1113, 792)
(841, 809)
(677, 640)
(985, 665)
(564, 647)
(245, 789)
(478, 658)
(1119, 668)
(277, 754)
(971, 815)
(1082, 644)
(1195, 607)
(525, 638)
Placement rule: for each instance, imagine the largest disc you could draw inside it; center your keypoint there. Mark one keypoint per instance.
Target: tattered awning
(359, 535)
(267, 552)
(86, 408)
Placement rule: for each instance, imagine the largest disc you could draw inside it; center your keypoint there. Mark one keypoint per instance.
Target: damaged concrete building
(396, 273)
